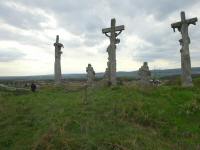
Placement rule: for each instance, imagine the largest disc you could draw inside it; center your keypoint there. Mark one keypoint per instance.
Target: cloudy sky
(28, 29)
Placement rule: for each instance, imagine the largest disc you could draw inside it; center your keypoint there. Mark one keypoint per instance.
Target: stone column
(90, 75)
(57, 64)
(186, 70)
(144, 74)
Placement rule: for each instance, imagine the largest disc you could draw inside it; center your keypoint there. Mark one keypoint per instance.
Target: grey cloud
(6, 35)
(72, 44)
(78, 19)
(163, 8)
(20, 19)
(92, 39)
(151, 54)
(86, 18)
(10, 55)
(83, 16)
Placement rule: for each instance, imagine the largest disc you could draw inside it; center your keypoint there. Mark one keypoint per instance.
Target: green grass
(120, 118)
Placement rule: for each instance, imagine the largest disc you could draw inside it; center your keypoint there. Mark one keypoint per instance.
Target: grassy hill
(119, 118)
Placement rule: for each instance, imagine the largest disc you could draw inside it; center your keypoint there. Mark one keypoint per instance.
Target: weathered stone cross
(182, 27)
(57, 64)
(114, 32)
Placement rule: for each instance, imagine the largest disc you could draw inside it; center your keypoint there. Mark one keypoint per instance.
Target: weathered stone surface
(90, 74)
(57, 64)
(106, 77)
(182, 59)
(144, 74)
(182, 27)
(111, 65)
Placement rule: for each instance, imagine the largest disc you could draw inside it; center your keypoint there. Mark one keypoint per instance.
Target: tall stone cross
(182, 27)
(57, 64)
(112, 33)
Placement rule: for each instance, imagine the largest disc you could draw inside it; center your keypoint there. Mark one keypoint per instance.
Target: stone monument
(105, 76)
(144, 74)
(111, 65)
(57, 64)
(90, 74)
(182, 27)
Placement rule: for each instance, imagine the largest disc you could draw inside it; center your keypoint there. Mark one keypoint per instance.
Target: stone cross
(112, 33)
(90, 74)
(57, 64)
(182, 27)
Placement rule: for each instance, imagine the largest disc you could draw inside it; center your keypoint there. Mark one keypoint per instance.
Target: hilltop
(121, 118)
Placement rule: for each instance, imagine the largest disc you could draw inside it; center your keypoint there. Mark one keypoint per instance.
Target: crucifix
(112, 33)
(182, 27)
(57, 64)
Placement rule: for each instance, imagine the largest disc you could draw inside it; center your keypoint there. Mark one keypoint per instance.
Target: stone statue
(114, 32)
(90, 74)
(57, 64)
(144, 74)
(182, 27)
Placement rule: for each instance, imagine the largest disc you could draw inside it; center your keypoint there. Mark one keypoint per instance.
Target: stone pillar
(111, 64)
(90, 75)
(57, 64)
(144, 74)
(186, 70)
(186, 78)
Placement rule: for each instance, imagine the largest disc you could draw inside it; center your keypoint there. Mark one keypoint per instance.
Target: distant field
(119, 118)
(120, 74)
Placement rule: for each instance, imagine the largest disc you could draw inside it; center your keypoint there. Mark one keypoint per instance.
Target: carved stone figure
(90, 74)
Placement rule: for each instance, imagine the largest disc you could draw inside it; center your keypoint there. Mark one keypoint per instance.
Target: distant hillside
(132, 74)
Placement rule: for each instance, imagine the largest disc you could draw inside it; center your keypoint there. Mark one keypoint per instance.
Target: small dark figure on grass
(33, 87)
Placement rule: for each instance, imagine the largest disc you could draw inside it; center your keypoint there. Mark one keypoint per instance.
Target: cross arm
(58, 44)
(192, 21)
(117, 28)
(106, 30)
(176, 25)
(107, 35)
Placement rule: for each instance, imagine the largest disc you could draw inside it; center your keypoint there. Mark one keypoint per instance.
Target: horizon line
(82, 73)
